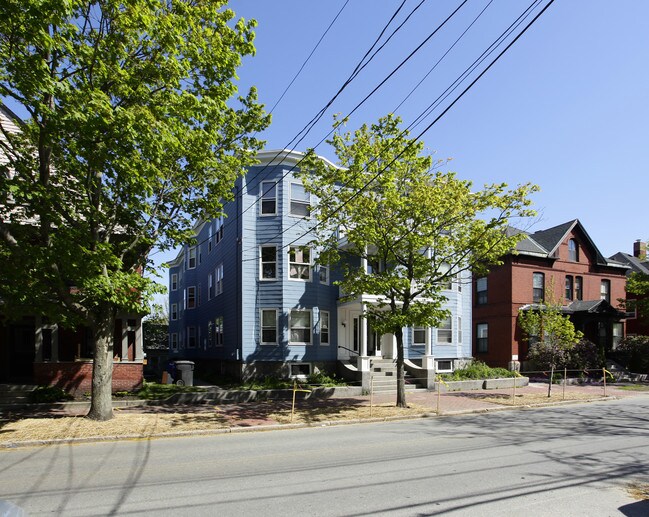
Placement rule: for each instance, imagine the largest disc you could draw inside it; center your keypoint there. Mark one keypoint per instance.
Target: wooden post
(565, 380)
(514, 393)
(293, 405)
(371, 393)
(439, 382)
(604, 372)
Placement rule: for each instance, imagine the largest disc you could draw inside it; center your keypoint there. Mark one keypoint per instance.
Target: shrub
(477, 370)
(633, 353)
(584, 355)
(49, 394)
(153, 390)
(323, 379)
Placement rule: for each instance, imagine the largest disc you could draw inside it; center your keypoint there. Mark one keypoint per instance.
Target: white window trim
(174, 312)
(445, 329)
(426, 336)
(291, 200)
(261, 263)
(262, 189)
(261, 326)
(328, 342)
(309, 264)
(290, 328)
(189, 289)
(192, 254)
(218, 280)
(189, 337)
(174, 281)
(324, 267)
(173, 341)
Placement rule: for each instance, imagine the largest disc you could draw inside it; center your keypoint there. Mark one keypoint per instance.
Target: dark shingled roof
(636, 264)
(552, 237)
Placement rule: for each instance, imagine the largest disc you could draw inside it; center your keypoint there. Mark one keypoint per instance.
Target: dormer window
(573, 251)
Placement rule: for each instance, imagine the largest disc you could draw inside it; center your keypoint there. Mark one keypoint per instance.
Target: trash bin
(185, 375)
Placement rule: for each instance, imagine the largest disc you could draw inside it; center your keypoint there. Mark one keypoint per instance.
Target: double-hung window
(210, 286)
(299, 258)
(323, 274)
(173, 338)
(569, 287)
(218, 280)
(300, 327)
(218, 229)
(174, 281)
(191, 297)
(174, 311)
(573, 251)
(605, 290)
(324, 327)
(268, 262)
(268, 326)
(482, 338)
(538, 287)
(445, 331)
(191, 258)
(481, 290)
(419, 336)
(579, 288)
(300, 200)
(191, 337)
(218, 331)
(268, 194)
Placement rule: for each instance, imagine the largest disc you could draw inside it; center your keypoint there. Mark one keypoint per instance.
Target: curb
(286, 427)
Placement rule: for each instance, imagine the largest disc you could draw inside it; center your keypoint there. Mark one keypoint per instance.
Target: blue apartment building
(250, 299)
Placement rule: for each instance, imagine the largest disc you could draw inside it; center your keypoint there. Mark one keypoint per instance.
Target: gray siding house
(250, 299)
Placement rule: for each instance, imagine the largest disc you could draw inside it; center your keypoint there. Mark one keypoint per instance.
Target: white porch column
(363, 323)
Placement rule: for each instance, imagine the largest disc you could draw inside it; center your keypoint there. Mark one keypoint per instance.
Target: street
(574, 460)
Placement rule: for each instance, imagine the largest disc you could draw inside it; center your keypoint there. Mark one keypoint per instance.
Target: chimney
(640, 250)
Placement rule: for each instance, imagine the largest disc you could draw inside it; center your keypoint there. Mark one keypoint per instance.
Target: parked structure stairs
(384, 376)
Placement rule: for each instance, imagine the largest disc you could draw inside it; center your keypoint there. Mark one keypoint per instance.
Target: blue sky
(566, 107)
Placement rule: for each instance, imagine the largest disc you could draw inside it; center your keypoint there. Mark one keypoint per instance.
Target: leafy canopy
(418, 226)
(638, 285)
(133, 131)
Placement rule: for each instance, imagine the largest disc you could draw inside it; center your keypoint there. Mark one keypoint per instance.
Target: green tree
(422, 225)
(551, 335)
(638, 284)
(133, 130)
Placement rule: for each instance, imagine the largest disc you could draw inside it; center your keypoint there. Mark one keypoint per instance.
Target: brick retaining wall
(76, 377)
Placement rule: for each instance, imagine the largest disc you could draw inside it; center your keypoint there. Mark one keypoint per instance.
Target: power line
(357, 193)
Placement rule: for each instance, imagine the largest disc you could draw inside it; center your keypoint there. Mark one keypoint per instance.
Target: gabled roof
(547, 242)
(590, 306)
(635, 263)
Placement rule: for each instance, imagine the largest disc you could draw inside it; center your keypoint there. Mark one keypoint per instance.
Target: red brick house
(563, 264)
(639, 264)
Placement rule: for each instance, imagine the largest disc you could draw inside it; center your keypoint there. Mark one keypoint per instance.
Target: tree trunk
(551, 379)
(401, 378)
(101, 404)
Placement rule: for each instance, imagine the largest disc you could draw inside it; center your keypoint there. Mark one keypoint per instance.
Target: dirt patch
(328, 414)
(530, 398)
(639, 491)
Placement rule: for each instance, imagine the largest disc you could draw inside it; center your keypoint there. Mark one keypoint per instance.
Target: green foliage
(267, 383)
(584, 355)
(324, 379)
(420, 226)
(131, 136)
(638, 284)
(477, 370)
(633, 353)
(45, 394)
(551, 333)
(156, 391)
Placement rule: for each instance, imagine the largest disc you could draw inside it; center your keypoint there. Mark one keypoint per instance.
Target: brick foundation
(76, 377)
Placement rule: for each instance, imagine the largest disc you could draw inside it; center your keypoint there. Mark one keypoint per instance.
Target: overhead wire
(373, 178)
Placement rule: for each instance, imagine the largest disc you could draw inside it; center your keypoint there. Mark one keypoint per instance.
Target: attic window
(573, 251)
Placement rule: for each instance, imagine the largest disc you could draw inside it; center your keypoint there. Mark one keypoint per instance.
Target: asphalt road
(572, 460)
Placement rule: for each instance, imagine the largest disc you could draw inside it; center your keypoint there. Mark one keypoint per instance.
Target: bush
(584, 355)
(323, 379)
(154, 391)
(477, 370)
(633, 353)
(49, 394)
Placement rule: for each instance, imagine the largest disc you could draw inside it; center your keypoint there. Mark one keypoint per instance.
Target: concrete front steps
(15, 394)
(384, 376)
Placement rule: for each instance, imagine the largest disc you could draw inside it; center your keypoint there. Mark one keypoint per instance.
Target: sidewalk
(45, 424)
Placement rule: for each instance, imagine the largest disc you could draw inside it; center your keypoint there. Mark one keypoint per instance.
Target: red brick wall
(76, 377)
